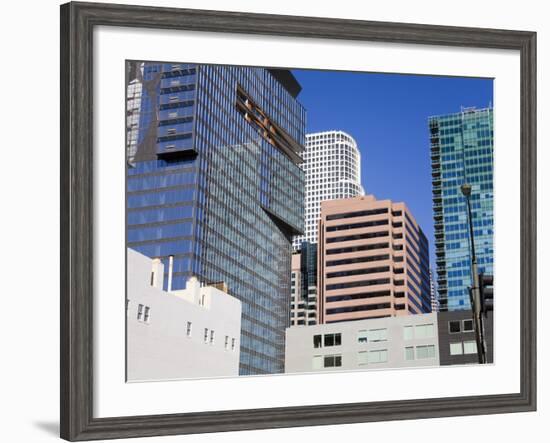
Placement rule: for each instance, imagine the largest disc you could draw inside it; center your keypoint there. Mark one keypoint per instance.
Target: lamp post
(476, 308)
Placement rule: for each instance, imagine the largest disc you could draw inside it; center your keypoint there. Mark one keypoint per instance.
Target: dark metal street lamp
(476, 298)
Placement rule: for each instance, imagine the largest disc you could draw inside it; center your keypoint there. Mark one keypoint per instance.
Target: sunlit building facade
(461, 152)
(215, 183)
(332, 166)
(376, 343)
(373, 261)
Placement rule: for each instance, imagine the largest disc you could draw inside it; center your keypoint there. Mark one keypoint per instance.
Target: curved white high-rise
(332, 166)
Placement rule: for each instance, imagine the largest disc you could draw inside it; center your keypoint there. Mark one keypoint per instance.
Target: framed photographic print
(272, 221)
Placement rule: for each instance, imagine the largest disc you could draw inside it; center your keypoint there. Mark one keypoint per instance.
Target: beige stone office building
(393, 342)
(373, 261)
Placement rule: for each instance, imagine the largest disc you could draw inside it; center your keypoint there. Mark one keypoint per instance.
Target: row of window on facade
(209, 336)
(301, 311)
(312, 143)
(410, 332)
(144, 316)
(143, 313)
(331, 164)
(375, 335)
(327, 135)
(420, 352)
(411, 353)
(457, 326)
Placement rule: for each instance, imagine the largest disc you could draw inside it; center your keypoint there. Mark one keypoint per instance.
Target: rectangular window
(424, 331)
(332, 361)
(333, 340)
(378, 356)
(146, 314)
(372, 335)
(468, 325)
(140, 312)
(362, 358)
(409, 353)
(470, 347)
(206, 335)
(377, 335)
(212, 337)
(226, 343)
(232, 344)
(408, 333)
(317, 362)
(188, 329)
(454, 326)
(317, 341)
(456, 348)
(423, 352)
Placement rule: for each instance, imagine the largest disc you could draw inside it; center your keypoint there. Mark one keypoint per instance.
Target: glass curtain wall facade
(215, 183)
(462, 152)
(303, 298)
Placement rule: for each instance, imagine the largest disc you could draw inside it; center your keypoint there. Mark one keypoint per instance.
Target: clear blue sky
(387, 114)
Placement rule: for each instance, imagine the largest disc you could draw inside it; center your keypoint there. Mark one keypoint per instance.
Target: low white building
(391, 342)
(189, 333)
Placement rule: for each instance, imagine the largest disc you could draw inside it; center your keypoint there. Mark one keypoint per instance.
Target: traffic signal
(486, 292)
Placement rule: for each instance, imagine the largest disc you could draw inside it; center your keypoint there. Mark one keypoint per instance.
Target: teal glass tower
(461, 152)
(215, 189)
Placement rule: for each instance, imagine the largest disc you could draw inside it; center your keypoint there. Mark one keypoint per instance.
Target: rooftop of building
(358, 200)
(286, 78)
(150, 271)
(463, 110)
(364, 323)
(329, 132)
(351, 204)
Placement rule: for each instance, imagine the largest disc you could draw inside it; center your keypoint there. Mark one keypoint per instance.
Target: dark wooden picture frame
(77, 23)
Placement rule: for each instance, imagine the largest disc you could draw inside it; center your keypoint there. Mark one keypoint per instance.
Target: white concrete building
(391, 342)
(190, 333)
(332, 166)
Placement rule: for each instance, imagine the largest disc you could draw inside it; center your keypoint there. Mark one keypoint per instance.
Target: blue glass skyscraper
(461, 152)
(214, 181)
